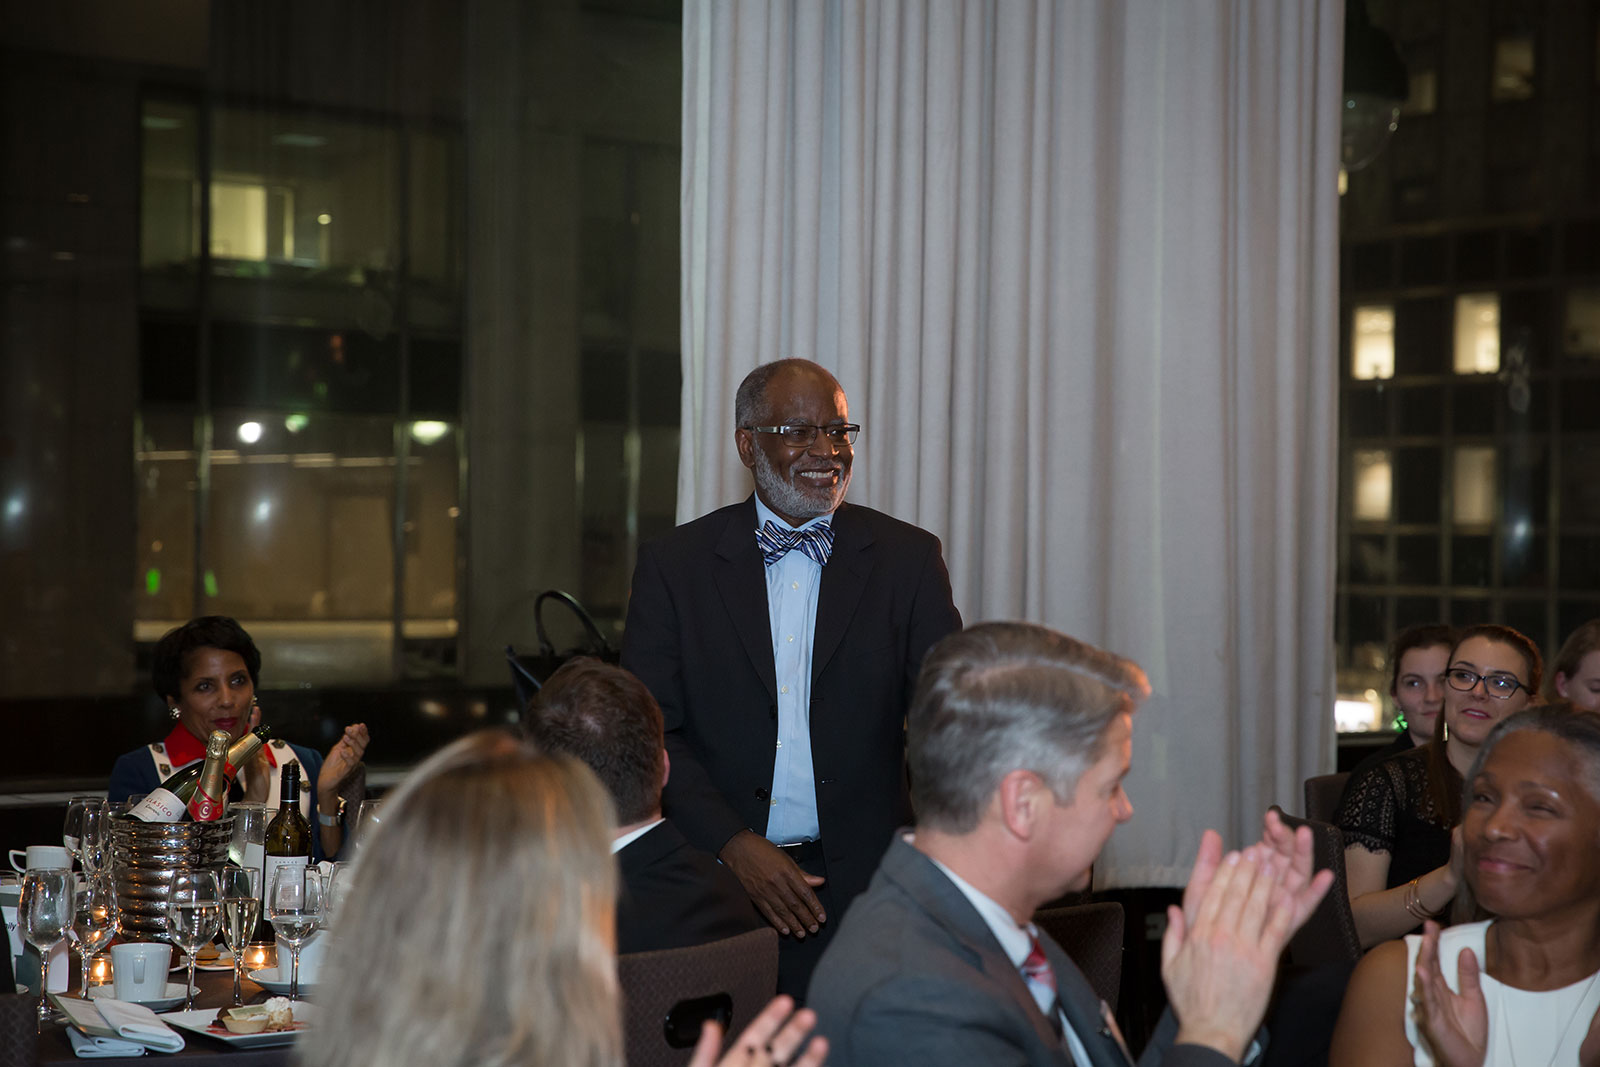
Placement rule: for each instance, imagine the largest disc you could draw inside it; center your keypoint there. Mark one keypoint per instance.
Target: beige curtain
(1075, 264)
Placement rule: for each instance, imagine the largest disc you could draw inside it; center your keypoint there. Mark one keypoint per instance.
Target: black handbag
(529, 672)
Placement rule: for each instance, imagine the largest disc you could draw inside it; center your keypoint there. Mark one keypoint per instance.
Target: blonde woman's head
(478, 925)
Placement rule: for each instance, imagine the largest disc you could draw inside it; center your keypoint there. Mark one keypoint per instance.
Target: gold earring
(1447, 731)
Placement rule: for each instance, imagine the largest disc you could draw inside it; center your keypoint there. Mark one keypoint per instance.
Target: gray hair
(749, 403)
(1005, 696)
(1578, 729)
(478, 929)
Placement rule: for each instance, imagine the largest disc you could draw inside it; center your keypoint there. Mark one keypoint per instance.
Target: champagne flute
(94, 919)
(294, 906)
(45, 914)
(241, 906)
(194, 911)
(94, 842)
(72, 826)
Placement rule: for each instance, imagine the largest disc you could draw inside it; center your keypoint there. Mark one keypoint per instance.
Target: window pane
(1422, 97)
(1513, 68)
(1580, 563)
(1580, 483)
(169, 209)
(1477, 333)
(1474, 485)
(1417, 485)
(1471, 561)
(432, 514)
(1582, 332)
(1416, 611)
(1374, 342)
(1417, 559)
(1419, 410)
(165, 468)
(1473, 407)
(1528, 618)
(1369, 560)
(1371, 480)
(301, 538)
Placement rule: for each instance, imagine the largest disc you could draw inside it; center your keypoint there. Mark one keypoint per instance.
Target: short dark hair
(208, 631)
(1428, 635)
(749, 403)
(607, 718)
(1005, 696)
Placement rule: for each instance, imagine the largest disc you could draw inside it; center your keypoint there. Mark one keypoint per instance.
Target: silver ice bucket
(145, 856)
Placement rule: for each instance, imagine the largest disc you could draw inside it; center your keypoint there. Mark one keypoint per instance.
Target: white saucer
(174, 996)
(268, 980)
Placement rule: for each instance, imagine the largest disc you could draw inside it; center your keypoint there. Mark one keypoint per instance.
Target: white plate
(173, 997)
(223, 961)
(204, 1021)
(268, 980)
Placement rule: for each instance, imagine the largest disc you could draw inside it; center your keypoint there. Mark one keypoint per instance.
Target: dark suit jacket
(674, 896)
(699, 637)
(915, 977)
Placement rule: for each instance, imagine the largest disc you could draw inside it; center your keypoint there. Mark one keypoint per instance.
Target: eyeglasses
(800, 435)
(1499, 686)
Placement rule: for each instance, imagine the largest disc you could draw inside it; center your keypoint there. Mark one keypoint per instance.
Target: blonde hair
(478, 928)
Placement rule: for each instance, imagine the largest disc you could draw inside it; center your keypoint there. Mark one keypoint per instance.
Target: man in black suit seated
(672, 894)
(1019, 738)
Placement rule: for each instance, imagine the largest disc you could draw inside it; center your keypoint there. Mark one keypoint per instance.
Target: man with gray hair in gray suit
(1018, 741)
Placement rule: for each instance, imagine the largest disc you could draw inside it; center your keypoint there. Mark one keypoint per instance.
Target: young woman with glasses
(1401, 864)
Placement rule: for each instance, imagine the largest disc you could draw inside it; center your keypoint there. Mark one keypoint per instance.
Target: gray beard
(796, 500)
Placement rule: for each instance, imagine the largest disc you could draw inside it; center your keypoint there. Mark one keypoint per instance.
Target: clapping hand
(773, 1037)
(1456, 1025)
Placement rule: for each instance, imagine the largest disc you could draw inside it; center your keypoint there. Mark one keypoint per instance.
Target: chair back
(743, 968)
(19, 1035)
(1323, 793)
(1091, 935)
(1330, 934)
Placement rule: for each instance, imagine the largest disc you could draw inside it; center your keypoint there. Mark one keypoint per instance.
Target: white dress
(1543, 1028)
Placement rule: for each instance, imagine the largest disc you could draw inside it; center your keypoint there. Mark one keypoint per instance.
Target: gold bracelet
(1413, 900)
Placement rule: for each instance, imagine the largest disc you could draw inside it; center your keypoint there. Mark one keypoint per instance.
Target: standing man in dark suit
(782, 637)
(1019, 738)
(672, 894)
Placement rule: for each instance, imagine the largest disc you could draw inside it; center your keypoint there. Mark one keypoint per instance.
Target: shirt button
(796, 585)
(783, 689)
(791, 638)
(780, 744)
(773, 804)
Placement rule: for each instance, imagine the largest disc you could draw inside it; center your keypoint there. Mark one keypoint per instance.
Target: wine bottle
(170, 800)
(211, 791)
(288, 838)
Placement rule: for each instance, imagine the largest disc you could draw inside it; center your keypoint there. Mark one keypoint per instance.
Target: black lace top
(1387, 808)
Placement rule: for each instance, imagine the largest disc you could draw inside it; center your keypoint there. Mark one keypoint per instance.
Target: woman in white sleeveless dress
(1522, 989)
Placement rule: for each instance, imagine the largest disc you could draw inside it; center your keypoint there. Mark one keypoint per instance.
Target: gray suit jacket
(915, 977)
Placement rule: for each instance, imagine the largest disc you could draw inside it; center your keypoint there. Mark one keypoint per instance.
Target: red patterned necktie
(1036, 968)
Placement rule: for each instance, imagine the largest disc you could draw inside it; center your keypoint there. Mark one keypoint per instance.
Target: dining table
(215, 991)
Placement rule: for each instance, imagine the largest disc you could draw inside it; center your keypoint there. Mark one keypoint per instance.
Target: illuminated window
(1513, 68)
(1583, 323)
(1422, 96)
(1372, 484)
(1373, 331)
(1477, 349)
(251, 221)
(1474, 484)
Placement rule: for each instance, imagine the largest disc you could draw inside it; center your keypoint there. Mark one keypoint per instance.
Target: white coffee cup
(139, 969)
(311, 954)
(41, 856)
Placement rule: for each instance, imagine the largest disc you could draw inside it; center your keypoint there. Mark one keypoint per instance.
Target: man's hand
(1455, 1024)
(1294, 849)
(780, 890)
(1220, 953)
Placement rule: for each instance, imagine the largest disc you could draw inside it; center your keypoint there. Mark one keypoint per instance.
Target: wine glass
(94, 919)
(72, 826)
(45, 913)
(241, 906)
(294, 906)
(368, 816)
(194, 911)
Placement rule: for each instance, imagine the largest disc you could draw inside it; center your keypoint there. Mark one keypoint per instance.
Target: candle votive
(100, 970)
(260, 955)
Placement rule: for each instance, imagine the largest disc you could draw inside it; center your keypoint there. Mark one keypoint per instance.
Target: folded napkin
(135, 1022)
(88, 1048)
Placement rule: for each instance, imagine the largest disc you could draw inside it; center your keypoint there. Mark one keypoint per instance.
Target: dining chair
(1091, 935)
(19, 1036)
(1330, 934)
(666, 993)
(1322, 795)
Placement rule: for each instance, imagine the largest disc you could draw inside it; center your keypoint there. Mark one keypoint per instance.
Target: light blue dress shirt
(792, 586)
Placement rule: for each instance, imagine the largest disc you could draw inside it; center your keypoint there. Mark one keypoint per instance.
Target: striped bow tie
(775, 542)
